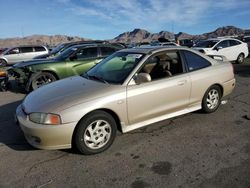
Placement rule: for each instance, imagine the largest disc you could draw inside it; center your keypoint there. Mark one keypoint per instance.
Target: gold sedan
(130, 89)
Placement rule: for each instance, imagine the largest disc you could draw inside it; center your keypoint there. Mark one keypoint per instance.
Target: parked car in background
(73, 61)
(164, 44)
(61, 47)
(21, 53)
(185, 42)
(232, 49)
(128, 90)
(246, 39)
(2, 50)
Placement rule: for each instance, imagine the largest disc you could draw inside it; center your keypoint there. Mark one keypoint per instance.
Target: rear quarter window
(39, 49)
(194, 61)
(106, 51)
(234, 42)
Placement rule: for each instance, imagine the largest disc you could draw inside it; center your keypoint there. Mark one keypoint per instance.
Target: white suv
(232, 49)
(21, 53)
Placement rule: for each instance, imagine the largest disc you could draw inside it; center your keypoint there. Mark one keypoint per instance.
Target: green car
(73, 61)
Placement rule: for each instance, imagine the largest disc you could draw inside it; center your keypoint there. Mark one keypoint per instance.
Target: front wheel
(240, 59)
(3, 63)
(41, 79)
(95, 133)
(212, 99)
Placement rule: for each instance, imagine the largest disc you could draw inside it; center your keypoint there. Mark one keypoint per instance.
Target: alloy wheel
(212, 99)
(97, 134)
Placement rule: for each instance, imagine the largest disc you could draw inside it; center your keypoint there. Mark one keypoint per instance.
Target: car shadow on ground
(14, 88)
(242, 70)
(11, 134)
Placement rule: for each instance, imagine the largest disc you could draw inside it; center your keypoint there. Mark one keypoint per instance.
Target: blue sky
(105, 19)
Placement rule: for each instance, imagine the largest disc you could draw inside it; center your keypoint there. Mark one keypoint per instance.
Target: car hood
(33, 62)
(62, 94)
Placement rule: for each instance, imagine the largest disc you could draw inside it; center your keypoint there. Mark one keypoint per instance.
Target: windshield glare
(65, 54)
(206, 43)
(115, 68)
(57, 49)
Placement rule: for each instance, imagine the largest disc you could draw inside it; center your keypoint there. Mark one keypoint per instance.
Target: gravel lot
(194, 150)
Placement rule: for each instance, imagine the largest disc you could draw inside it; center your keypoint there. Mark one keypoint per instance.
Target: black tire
(211, 104)
(240, 58)
(82, 140)
(3, 63)
(41, 79)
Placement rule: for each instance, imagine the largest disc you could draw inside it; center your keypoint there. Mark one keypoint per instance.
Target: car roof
(222, 38)
(94, 45)
(151, 49)
(27, 46)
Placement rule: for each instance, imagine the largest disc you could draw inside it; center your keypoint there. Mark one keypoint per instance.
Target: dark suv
(72, 61)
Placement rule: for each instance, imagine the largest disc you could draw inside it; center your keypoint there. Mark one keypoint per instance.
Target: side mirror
(218, 48)
(142, 78)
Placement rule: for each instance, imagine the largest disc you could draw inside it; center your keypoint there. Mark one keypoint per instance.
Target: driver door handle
(182, 82)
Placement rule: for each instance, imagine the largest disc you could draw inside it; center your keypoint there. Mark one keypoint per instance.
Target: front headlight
(44, 118)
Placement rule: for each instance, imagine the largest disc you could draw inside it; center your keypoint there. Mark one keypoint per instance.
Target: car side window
(162, 65)
(26, 49)
(106, 51)
(86, 53)
(246, 39)
(194, 61)
(234, 42)
(13, 51)
(223, 44)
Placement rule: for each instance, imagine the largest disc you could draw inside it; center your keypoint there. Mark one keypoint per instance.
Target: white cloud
(153, 13)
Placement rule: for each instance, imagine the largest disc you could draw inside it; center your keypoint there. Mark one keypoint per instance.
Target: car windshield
(57, 49)
(65, 54)
(115, 68)
(206, 43)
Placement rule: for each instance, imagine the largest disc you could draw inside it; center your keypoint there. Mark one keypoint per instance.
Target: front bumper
(45, 136)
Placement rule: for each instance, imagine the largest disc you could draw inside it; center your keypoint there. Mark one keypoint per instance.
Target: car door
(82, 60)
(13, 55)
(223, 48)
(160, 96)
(26, 53)
(236, 48)
(200, 76)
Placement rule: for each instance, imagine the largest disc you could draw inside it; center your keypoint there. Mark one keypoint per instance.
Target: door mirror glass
(142, 78)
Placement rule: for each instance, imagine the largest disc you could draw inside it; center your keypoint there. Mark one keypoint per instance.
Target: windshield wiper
(86, 75)
(98, 78)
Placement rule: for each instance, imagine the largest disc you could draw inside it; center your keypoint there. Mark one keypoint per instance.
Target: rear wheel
(212, 99)
(95, 133)
(3, 63)
(240, 58)
(41, 79)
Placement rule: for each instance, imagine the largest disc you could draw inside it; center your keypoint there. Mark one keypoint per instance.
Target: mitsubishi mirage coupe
(130, 89)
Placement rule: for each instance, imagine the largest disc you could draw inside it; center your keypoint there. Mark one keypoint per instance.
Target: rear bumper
(45, 136)
(228, 87)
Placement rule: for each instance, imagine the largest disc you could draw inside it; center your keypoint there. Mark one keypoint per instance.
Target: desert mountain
(137, 35)
(38, 39)
(140, 35)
